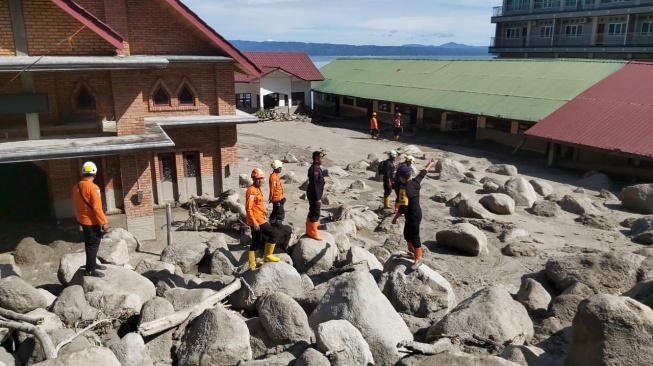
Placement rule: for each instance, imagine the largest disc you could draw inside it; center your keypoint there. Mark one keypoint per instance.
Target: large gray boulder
(526, 355)
(355, 297)
(422, 292)
(217, 337)
(113, 252)
(611, 272)
(283, 319)
(465, 237)
(521, 191)
(271, 277)
(182, 298)
(345, 226)
(564, 308)
(638, 198)
(456, 358)
(450, 169)
(159, 346)
(533, 296)
(223, 262)
(641, 230)
(118, 234)
(72, 306)
(19, 296)
(84, 357)
(363, 216)
(335, 171)
(611, 330)
(490, 313)
(473, 210)
(545, 209)
(185, 255)
(154, 270)
(502, 169)
(69, 265)
(118, 281)
(642, 292)
(312, 256)
(498, 203)
(344, 342)
(357, 254)
(595, 181)
(541, 187)
(578, 205)
(29, 251)
(312, 357)
(131, 351)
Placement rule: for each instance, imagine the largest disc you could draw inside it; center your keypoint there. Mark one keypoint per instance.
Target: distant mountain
(329, 49)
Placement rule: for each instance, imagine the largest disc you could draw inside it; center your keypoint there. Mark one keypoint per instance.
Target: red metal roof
(615, 114)
(297, 64)
(93, 23)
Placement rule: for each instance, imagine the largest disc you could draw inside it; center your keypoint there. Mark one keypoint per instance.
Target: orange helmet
(257, 173)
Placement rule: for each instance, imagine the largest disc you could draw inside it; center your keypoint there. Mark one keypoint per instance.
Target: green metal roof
(527, 90)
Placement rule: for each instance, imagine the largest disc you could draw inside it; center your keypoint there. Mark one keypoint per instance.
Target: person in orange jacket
(276, 195)
(374, 126)
(398, 126)
(88, 209)
(256, 219)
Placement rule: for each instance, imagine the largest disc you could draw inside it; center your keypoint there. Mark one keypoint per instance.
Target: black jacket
(315, 183)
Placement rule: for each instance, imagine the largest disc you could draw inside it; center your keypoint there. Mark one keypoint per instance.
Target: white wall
(276, 82)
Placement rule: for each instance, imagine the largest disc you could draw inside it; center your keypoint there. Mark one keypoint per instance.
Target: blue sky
(357, 22)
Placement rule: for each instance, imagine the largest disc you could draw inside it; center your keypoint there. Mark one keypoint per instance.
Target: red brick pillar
(228, 162)
(128, 102)
(115, 14)
(113, 185)
(63, 175)
(225, 88)
(136, 175)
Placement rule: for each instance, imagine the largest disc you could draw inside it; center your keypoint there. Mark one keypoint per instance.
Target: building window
(244, 100)
(384, 106)
(191, 168)
(347, 101)
(498, 125)
(362, 102)
(616, 29)
(161, 97)
(544, 4)
(186, 97)
(297, 98)
(571, 2)
(513, 32)
(573, 31)
(647, 28)
(84, 99)
(546, 32)
(517, 5)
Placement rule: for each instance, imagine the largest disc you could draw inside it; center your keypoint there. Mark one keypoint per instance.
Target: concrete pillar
(136, 174)
(514, 127)
(552, 153)
(420, 116)
(480, 123)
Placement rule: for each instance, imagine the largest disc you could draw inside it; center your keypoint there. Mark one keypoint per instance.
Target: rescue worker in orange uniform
(88, 208)
(374, 126)
(410, 207)
(276, 195)
(314, 195)
(256, 219)
(398, 126)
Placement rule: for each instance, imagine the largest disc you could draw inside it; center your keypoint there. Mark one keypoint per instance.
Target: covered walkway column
(138, 197)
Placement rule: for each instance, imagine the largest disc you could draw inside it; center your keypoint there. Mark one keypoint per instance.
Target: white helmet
(276, 164)
(409, 158)
(392, 154)
(89, 168)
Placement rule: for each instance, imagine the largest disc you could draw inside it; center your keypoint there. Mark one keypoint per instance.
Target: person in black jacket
(410, 208)
(388, 173)
(314, 195)
(396, 185)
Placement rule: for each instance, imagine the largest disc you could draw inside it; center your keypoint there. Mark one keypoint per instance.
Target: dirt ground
(347, 142)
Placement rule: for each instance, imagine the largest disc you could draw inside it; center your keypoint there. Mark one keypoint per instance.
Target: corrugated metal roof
(295, 63)
(527, 90)
(615, 114)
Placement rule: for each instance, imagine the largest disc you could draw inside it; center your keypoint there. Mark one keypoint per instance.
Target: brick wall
(46, 25)
(63, 174)
(136, 174)
(129, 106)
(95, 7)
(229, 156)
(6, 38)
(225, 88)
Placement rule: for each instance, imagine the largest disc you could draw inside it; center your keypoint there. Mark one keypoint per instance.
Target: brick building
(143, 88)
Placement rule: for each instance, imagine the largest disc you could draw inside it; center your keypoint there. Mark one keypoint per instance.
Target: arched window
(84, 99)
(186, 96)
(161, 97)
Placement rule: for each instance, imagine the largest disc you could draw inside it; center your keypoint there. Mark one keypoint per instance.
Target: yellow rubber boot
(269, 249)
(386, 202)
(252, 260)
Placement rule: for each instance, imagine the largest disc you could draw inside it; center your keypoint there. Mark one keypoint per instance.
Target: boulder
(595, 181)
(344, 342)
(312, 256)
(345, 226)
(283, 319)
(498, 203)
(119, 281)
(185, 255)
(533, 296)
(19, 296)
(357, 254)
(113, 252)
(471, 181)
(564, 308)
(69, 265)
(455, 358)
(335, 171)
(51, 322)
(599, 222)
(545, 209)
(519, 250)
(608, 272)
(490, 313)
(362, 216)
(579, 289)
(642, 292)
(358, 185)
(259, 340)
(159, 346)
(454, 202)
(578, 205)
(118, 234)
(450, 169)
(513, 233)
(422, 292)
(541, 187)
(473, 210)
(312, 357)
(217, 337)
(114, 305)
(154, 270)
(521, 191)
(245, 180)
(182, 298)
(271, 277)
(223, 262)
(217, 241)
(359, 165)
(491, 186)
(442, 196)
(88, 356)
(131, 351)
(608, 196)
(72, 306)
(611, 330)
(641, 230)
(28, 251)
(502, 169)
(356, 297)
(465, 237)
(526, 355)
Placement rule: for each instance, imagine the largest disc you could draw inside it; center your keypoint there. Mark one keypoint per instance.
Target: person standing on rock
(408, 160)
(387, 171)
(314, 195)
(398, 126)
(410, 208)
(256, 214)
(88, 208)
(276, 195)
(374, 126)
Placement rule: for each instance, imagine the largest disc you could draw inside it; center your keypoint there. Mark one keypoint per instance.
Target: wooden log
(179, 317)
(20, 317)
(37, 332)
